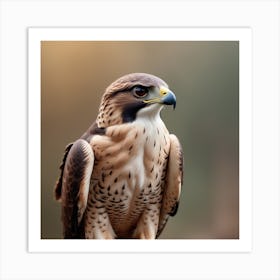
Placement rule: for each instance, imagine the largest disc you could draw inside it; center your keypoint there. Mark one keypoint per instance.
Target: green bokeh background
(204, 75)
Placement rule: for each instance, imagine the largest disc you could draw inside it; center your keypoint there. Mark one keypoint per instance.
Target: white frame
(244, 36)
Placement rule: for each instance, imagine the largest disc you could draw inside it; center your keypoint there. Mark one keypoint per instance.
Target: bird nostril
(163, 91)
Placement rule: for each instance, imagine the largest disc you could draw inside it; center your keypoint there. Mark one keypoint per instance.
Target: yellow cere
(163, 91)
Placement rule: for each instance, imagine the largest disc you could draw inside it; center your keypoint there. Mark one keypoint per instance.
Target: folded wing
(73, 186)
(173, 182)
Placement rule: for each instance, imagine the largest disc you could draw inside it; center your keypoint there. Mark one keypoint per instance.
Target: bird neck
(150, 113)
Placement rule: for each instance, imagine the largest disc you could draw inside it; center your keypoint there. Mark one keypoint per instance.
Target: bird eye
(140, 91)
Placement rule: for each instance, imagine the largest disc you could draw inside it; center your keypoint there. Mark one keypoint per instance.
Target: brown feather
(173, 183)
(75, 184)
(58, 185)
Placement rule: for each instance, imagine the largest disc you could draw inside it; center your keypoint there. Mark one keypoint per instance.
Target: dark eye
(140, 91)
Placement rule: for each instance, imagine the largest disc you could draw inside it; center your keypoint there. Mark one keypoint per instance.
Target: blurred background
(204, 76)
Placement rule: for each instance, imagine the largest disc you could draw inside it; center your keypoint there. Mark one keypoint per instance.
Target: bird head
(132, 95)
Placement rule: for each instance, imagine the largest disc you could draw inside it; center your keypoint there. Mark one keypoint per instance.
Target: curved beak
(168, 97)
(164, 96)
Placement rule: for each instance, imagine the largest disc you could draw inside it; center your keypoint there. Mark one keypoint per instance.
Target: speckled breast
(129, 171)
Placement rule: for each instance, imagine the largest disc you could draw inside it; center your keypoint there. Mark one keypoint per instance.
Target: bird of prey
(122, 178)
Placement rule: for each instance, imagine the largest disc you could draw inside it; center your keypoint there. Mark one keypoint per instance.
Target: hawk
(122, 178)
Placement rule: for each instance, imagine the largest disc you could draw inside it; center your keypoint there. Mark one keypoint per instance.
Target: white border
(243, 35)
(263, 16)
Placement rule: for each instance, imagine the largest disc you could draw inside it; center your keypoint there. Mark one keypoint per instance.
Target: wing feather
(75, 187)
(173, 182)
(58, 185)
